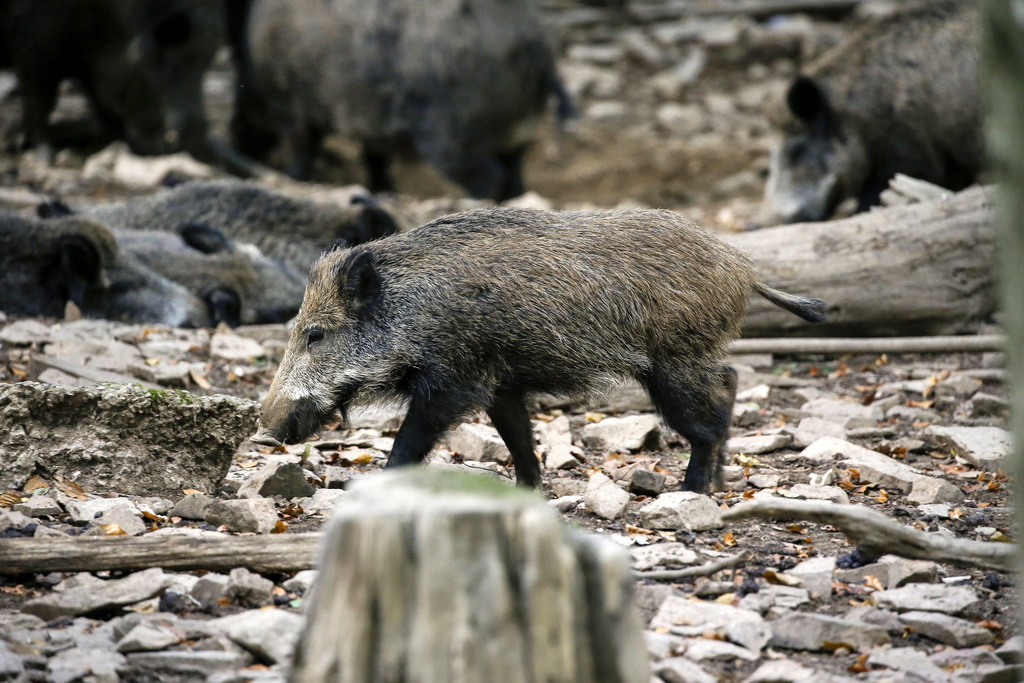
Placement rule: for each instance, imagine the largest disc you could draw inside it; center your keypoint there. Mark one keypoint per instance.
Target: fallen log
(920, 269)
(876, 533)
(946, 344)
(214, 552)
(440, 576)
(752, 8)
(706, 569)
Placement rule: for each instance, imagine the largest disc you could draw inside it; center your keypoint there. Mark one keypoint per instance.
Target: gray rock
(563, 486)
(324, 501)
(122, 516)
(946, 629)
(746, 414)
(806, 631)
(301, 582)
(781, 597)
(754, 445)
(1012, 651)
(911, 414)
(879, 617)
(164, 373)
(926, 597)
(815, 575)
(682, 670)
(808, 492)
(649, 598)
(218, 644)
(763, 481)
(782, 671)
(277, 478)
(562, 457)
(92, 664)
(553, 433)
(681, 510)
(665, 555)
(210, 588)
(154, 504)
(11, 666)
(646, 482)
(232, 347)
(257, 515)
(892, 571)
(604, 498)
(83, 511)
(704, 649)
(959, 385)
(181, 662)
(566, 504)
(810, 429)
(685, 617)
(631, 433)
(38, 506)
(847, 413)
(54, 376)
(146, 637)
(478, 442)
(102, 596)
(971, 657)
(926, 490)
(988, 405)
(908, 660)
(270, 634)
(249, 589)
(101, 353)
(10, 519)
(985, 447)
(874, 467)
(192, 506)
(25, 332)
(663, 645)
(107, 437)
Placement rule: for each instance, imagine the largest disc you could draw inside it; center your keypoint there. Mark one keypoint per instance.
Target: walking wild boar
(483, 309)
(463, 83)
(45, 264)
(140, 63)
(899, 96)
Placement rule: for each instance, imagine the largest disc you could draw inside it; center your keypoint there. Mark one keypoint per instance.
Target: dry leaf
(594, 417)
(729, 538)
(780, 579)
(152, 516)
(152, 361)
(363, 459)
(279, 527)
(9, 499)
(35, 482)
(874, 582)
(860, 666)
(293, 510)
(189, 492)
(199, 379)
(749, 493)
(726, 598)
(630, 529)
(113, 530)
(990, 625)
(248, 464)
(882, 496)
(796, 528)
(70, 488)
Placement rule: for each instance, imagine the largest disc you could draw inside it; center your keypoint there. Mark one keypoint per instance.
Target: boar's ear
(360, 282)
(81, 259)
(373, 221)
(807, 100)
(53, 208)
(204, 238)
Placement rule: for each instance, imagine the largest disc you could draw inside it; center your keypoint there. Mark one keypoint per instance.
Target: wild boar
(899, 96)
(45, 264)
(462, 83)
(485, 308)
(293, 231)
(238, 284)
(140, 63)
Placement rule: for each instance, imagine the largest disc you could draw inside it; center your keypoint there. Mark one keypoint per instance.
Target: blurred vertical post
(1004, 75)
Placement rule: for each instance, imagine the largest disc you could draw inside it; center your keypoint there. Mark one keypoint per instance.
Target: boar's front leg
(509, 416)
(427, 420)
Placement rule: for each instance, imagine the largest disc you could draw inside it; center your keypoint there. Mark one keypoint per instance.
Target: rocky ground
(670, 116)
(919, 438)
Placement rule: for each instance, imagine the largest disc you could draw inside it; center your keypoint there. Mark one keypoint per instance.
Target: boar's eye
(313, 336)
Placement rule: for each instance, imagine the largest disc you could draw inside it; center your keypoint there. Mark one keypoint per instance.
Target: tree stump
(919, 269)
(439, 576)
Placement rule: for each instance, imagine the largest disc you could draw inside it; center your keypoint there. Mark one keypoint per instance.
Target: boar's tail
(811, 310)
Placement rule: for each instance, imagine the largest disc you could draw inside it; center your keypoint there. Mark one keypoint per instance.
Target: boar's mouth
(300, 419)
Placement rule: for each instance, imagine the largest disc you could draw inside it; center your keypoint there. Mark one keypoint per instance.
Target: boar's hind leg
(697, 403)
(426, 421)
(509, 416)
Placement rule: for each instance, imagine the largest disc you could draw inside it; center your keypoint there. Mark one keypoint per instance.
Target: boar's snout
(286, 420)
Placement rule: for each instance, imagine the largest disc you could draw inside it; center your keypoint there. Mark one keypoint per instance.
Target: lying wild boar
(238, 284)
(899, 96)
(483, 309)
(463, 83)
(45, 264)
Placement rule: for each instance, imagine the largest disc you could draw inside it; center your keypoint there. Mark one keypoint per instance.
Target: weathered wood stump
(920, 269)
(442, 576)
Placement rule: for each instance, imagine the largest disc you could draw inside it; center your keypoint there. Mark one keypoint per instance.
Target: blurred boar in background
(463, 83)
(238, 284)
(482, 309)
(45, 264)
(293, 231)
(899, 96)
(140, 63)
